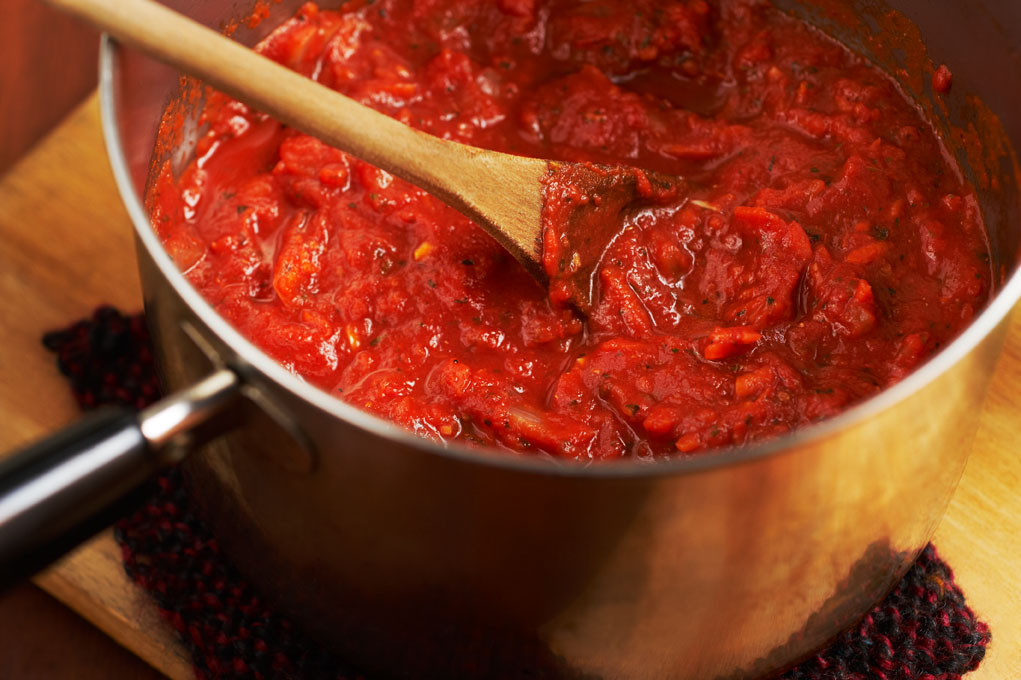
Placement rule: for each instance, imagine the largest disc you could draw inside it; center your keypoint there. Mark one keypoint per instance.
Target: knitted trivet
(923, 630)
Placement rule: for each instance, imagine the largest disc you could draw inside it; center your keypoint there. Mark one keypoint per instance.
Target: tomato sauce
(822, 247)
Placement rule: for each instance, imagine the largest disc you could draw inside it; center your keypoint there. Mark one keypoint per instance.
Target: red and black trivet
(923, 630)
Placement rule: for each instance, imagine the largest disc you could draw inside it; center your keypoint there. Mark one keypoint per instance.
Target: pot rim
(998, 309)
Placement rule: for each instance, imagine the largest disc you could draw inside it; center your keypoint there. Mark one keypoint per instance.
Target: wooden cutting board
(66, 246)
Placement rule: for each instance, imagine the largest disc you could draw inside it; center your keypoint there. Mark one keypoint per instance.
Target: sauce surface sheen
(823, 247)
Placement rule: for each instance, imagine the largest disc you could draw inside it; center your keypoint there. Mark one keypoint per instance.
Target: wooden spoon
(504, 194)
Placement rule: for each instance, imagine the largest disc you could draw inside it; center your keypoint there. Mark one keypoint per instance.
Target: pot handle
(58, 492)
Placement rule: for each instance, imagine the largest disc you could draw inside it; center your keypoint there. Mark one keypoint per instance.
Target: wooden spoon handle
(501, 192)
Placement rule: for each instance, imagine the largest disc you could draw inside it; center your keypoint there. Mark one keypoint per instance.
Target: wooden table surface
(66, 246)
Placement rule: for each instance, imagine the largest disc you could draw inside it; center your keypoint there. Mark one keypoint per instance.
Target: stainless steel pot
(415, 560)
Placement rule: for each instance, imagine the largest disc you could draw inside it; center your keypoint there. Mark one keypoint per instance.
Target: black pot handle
(58, 492)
